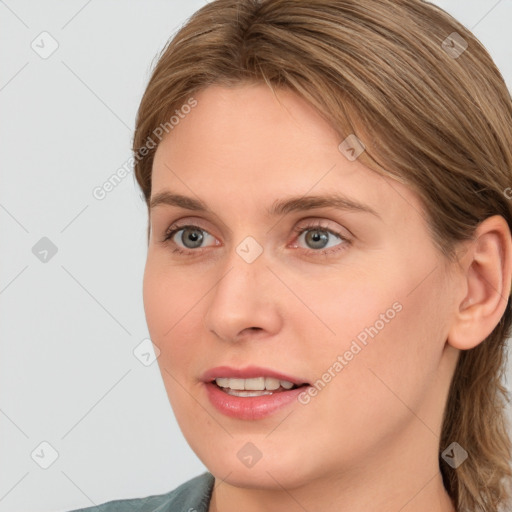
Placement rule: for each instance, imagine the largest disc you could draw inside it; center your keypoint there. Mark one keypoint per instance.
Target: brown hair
(431, 113)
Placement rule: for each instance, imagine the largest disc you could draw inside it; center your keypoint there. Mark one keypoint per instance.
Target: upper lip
(247, 373)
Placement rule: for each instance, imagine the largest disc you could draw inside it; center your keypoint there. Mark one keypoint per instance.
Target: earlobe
(487, 280)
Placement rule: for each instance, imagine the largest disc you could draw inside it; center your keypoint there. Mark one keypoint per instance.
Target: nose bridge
(245, 272)
(240, 299)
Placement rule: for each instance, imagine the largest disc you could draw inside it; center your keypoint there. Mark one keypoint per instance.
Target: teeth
(235, 392)
(254, 384)
(271, 383)
(223, 383)
(236, 384)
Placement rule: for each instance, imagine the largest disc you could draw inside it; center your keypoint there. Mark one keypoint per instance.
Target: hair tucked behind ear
(430, 114)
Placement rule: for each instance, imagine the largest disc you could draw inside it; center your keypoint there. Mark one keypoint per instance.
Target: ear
(486, 284)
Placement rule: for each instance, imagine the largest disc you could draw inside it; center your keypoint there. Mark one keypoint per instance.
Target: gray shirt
(192, 496)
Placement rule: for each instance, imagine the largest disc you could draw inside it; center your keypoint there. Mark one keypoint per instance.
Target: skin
(369, 440)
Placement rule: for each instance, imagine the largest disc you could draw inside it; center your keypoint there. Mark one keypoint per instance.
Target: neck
(431, 498)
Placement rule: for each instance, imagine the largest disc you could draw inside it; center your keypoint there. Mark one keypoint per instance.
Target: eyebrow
(279, 207)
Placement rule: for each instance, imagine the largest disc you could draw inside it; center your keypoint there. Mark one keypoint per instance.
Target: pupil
(195, 236)
(317, 236)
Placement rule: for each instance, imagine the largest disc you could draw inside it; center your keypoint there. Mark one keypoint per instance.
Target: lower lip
(253, 407)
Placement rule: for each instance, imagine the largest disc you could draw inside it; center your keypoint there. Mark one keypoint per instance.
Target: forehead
(251, 121)
(248, 144)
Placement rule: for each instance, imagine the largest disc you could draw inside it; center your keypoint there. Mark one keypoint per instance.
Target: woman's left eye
(318, 237)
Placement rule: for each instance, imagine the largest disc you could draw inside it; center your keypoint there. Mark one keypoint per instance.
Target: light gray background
(68, 328)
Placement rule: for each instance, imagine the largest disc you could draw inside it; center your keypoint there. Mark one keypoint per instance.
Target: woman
(329, 257)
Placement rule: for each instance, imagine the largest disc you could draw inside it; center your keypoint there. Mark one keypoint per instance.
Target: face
(266, 281)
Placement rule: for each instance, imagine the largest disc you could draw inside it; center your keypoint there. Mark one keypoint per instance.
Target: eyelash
(175, 228)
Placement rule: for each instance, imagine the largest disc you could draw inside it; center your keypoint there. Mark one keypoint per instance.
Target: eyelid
(307, 222)
(177, 225)
(313, 222)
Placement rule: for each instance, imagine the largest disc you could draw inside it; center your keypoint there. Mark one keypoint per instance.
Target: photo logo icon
(45, 45)
(352, 147)
(249, 249)
(454, 455)
(146, 352)
(44, 250)
(44, 455)
(249, 455)
(454, 45)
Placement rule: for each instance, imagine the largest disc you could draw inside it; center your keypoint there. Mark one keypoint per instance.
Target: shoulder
(191, 496)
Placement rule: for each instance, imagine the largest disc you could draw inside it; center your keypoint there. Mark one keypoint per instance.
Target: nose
(244, 303)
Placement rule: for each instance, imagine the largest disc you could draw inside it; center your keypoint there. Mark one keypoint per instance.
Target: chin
(271, 474)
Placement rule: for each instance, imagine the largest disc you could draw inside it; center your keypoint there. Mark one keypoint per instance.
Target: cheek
(167, 297)
(156, 303)
(406, 350)
(172, 304)
(168, 302)
(391, 343)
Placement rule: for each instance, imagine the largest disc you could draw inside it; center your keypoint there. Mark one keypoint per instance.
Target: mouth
(251, 393)
(256, 386)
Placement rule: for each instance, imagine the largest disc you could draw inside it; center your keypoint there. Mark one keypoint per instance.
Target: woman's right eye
(191, 233)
